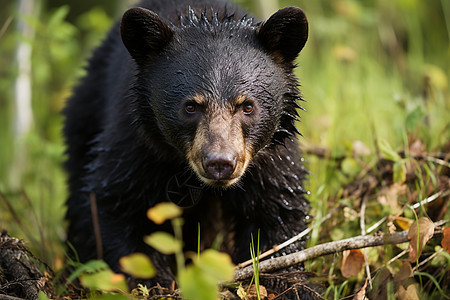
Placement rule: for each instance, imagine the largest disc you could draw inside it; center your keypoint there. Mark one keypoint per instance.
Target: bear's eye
(247, 109)
(190, 108)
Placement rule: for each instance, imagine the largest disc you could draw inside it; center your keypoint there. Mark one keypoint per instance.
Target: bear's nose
(219, 166)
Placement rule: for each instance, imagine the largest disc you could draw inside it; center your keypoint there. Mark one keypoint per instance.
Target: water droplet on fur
(290, 189)
(308, 193)
(302, 159)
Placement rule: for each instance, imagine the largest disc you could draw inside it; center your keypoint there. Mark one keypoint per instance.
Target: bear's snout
(219, 166)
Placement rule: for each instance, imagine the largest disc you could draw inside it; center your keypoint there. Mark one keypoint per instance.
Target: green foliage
(104, 280)
(164, 242)
(254, 253)
(199, 280)
(90, 267)
(137, 265)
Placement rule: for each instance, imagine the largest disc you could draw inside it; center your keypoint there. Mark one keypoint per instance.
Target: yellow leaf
(164, 211)
(403, 223)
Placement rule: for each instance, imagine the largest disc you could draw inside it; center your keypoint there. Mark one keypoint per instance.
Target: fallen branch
(276, 248)
(325, 249)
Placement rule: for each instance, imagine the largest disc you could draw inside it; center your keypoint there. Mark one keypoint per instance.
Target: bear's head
(218, 90)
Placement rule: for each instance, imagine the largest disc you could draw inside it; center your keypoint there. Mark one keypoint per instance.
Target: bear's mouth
(217, 181)
(217, 171)
(221, 183)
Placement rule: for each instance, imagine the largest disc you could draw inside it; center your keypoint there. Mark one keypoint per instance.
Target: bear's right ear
(144, 33)
(284, 34)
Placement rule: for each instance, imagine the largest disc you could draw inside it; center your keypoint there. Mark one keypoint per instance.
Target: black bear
(192, 102)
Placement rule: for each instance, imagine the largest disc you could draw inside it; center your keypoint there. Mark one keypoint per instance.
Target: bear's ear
(285, 33)
(144, 33)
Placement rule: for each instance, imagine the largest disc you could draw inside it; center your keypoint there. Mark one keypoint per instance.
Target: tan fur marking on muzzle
(218, 132)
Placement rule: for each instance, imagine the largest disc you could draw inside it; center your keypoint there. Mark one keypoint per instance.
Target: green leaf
(137, 265)
(413, 118)
(163, 211)
(42, 296)
(164, 242)
(201, 279)
(387, 152)
(197, 285)
(58, 16)
(91, 266)
(105, 280)
(216, 264)
(399, 171)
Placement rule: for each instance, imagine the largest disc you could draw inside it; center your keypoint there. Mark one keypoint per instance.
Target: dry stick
(415, 206)
(438, 161)
(376, 225)
(325, 249)
(276, 248)
(363, 232)
(427, 259)
(431, 198)
(396, 257)
(96, 224)
(5, 26)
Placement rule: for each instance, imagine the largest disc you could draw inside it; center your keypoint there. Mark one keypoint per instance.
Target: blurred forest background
(374, 74)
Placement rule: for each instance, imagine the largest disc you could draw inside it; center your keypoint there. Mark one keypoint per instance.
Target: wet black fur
(125, 149)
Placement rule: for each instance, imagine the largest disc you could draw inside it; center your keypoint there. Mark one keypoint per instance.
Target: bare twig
(5, 26)
(427, 259)
(96, 224)
(438, 161)
(325, 249)
(376, 225)
(431, 198)
(276, 248)
(396, 257)
(363, 233)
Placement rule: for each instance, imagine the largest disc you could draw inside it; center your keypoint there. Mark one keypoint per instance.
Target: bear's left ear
(144, 33)
(285, 33)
